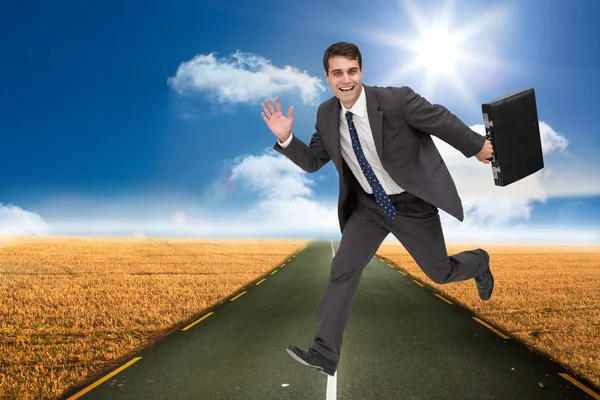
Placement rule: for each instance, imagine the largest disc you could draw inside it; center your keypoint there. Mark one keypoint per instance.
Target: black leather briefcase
(511, 125)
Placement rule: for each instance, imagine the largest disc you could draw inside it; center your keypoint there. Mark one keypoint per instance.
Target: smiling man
(392, 179)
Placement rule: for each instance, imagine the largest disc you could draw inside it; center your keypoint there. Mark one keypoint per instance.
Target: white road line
(331, 393)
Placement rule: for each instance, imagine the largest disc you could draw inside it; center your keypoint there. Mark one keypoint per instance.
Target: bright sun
(440, 53)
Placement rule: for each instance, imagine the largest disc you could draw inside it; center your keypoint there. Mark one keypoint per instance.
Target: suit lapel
(375, 119)
(334, 128)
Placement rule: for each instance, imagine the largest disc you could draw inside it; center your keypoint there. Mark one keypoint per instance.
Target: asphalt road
(402, 342)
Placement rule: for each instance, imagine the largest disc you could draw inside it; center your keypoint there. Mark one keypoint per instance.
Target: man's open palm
(278, 123)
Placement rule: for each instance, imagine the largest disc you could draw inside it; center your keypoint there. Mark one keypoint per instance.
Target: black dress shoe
(314, 359)
(485, 281)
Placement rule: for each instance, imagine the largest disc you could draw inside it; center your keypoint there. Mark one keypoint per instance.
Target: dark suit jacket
(402, 122)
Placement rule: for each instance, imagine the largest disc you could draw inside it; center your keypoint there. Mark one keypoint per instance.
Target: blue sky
(144, 119)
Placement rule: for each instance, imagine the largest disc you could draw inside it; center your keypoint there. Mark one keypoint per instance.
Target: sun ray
(440, 54)
(414, 15)
(466, 95)
(446, 14)
(481, 24)
(394, 40)
(395, 74)
(429, 85)
(476, 59)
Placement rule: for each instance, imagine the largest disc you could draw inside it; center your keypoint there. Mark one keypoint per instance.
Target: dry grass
(73, 307)
(553, 290)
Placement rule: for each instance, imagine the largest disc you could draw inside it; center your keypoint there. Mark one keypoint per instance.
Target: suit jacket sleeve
(287, 141)
(436, 120)
(308, 157)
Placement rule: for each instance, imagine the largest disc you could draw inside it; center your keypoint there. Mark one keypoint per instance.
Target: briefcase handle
(487, 136)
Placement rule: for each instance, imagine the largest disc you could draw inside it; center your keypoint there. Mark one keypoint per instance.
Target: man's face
(344, 74)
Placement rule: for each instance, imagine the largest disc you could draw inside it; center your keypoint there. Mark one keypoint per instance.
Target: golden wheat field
(554, 290)
(76, 307)
(73, 307)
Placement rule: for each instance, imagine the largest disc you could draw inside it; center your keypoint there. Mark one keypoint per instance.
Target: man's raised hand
(278, 123)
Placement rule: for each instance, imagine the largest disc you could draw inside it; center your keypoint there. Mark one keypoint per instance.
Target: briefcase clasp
(486, 122)
(495, 170)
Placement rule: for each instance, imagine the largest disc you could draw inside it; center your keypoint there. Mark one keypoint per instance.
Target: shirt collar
(359, 107)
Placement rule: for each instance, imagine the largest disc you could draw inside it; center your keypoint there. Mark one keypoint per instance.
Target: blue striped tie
(382, 198)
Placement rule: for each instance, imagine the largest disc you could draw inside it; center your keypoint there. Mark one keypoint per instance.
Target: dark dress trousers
(401, 122)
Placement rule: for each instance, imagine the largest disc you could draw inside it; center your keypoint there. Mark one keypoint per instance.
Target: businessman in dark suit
(392, 179)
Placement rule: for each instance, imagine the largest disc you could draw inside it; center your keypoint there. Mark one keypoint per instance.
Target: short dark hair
(345, 49)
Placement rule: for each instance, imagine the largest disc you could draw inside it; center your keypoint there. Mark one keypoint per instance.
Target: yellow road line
(289, 260)
(446, 300)
(418, 283)
(403, 273)
(258, 283)
(236, 297)
(107, 377)
(194, 323)
(273, 272)
(391, 266)
(502, 335)
(581, 386)
(282, 265)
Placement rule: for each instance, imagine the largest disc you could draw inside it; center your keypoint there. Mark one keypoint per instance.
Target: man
(392, 179)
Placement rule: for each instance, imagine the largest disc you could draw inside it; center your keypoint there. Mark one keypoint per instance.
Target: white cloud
(14, 221)
(474, 179)
(551, 140)
(498, 211)
(286, 205)
(302, 218)
(488, 205)
(243, 77)
(179, 218)
(283, 194)
(517, 235)
(272, 177)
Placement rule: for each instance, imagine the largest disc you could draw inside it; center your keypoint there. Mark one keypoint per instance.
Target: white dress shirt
(360, 118)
